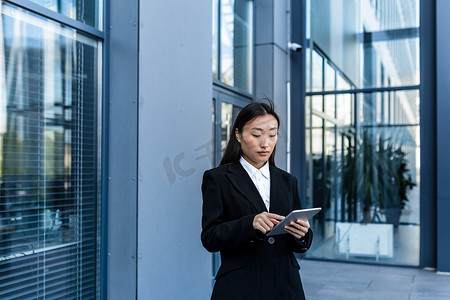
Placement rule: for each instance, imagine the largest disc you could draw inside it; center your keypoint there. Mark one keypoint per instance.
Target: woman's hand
(298, 228)
(265, 221)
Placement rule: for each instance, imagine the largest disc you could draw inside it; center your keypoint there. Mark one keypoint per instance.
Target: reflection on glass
(384, 48)
(316, 142)
(307, 74)
(317, 103)
(330, 176)
(400, 59)
(86, 11)
(236, 45)
(330, 77)
(341, 82)
(317, 72)
(390, 14)
(229, 113)
(330, 105)
(344, 112)
(404, 107)
(49, 97)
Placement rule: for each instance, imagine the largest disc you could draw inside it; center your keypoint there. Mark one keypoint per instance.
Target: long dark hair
(233, 151)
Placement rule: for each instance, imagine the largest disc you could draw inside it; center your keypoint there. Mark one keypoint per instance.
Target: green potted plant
(397, 182)
(375, 174)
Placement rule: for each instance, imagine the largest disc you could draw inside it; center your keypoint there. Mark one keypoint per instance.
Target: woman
(243, 199)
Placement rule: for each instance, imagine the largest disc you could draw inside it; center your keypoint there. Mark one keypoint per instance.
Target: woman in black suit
(243, 199)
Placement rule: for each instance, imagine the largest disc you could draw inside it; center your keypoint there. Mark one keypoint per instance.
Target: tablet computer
(305, 214)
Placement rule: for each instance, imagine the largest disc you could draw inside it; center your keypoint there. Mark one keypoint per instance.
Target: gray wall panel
(263, 21)
(174, 146)
(428, 200)
(442, 128)
(122, 186)
(264, 61)
(279, 97)
(280, 23)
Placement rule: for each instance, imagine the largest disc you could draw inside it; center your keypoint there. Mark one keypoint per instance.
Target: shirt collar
(251, 170)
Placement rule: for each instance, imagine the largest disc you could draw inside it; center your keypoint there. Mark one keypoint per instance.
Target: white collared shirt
(261, 179)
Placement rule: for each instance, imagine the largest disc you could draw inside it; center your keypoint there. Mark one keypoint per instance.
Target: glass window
(317, 104)
(86, 11)
(330, 105)
(364, 166)
(317, 72)
(330, 78)
(49, 159)
(228, 115)
(342, 83)
(236, 43)
(344, 112)
(307, 74)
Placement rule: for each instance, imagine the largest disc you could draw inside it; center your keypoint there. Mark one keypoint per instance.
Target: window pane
(236, 45)
(344, 113)
(49, 159)
(330, 105)
(330, 77)
(229, 113)
(400, 58)
(342, 83)
(86, 11)
(317, 72)
(317, 104)
(308, 67)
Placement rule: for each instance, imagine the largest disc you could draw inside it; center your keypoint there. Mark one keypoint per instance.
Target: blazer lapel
(279, 192)
(243, 183)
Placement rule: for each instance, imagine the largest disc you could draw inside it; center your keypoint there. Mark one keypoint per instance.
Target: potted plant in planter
(397, 182)
(375, 174)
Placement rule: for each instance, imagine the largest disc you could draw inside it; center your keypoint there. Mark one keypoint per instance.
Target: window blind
(49, 159)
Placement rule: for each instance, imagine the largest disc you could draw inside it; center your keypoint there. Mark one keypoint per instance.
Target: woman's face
(258, 139)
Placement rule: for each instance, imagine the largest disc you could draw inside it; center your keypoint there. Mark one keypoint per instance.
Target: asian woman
(243, 199)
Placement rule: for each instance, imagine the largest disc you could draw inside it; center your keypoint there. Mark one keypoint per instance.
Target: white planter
(365, 239)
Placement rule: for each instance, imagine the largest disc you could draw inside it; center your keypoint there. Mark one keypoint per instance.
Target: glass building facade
(50, 123)
(363, 130)
(89, 89)
(362, 124)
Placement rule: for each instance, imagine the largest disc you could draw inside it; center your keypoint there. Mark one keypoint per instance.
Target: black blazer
(253, 265)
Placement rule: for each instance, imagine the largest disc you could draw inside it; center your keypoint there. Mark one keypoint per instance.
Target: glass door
(226, 107)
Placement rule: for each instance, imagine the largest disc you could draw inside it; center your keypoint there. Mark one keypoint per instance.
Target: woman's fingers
(273, 216)
(265, 221)
(298, 229)
(275, 222)
(300, 225)
(293, 232)
(304, 223)
(261, 223)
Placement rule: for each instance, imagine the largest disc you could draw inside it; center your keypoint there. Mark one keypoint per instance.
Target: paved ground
(346, 281)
